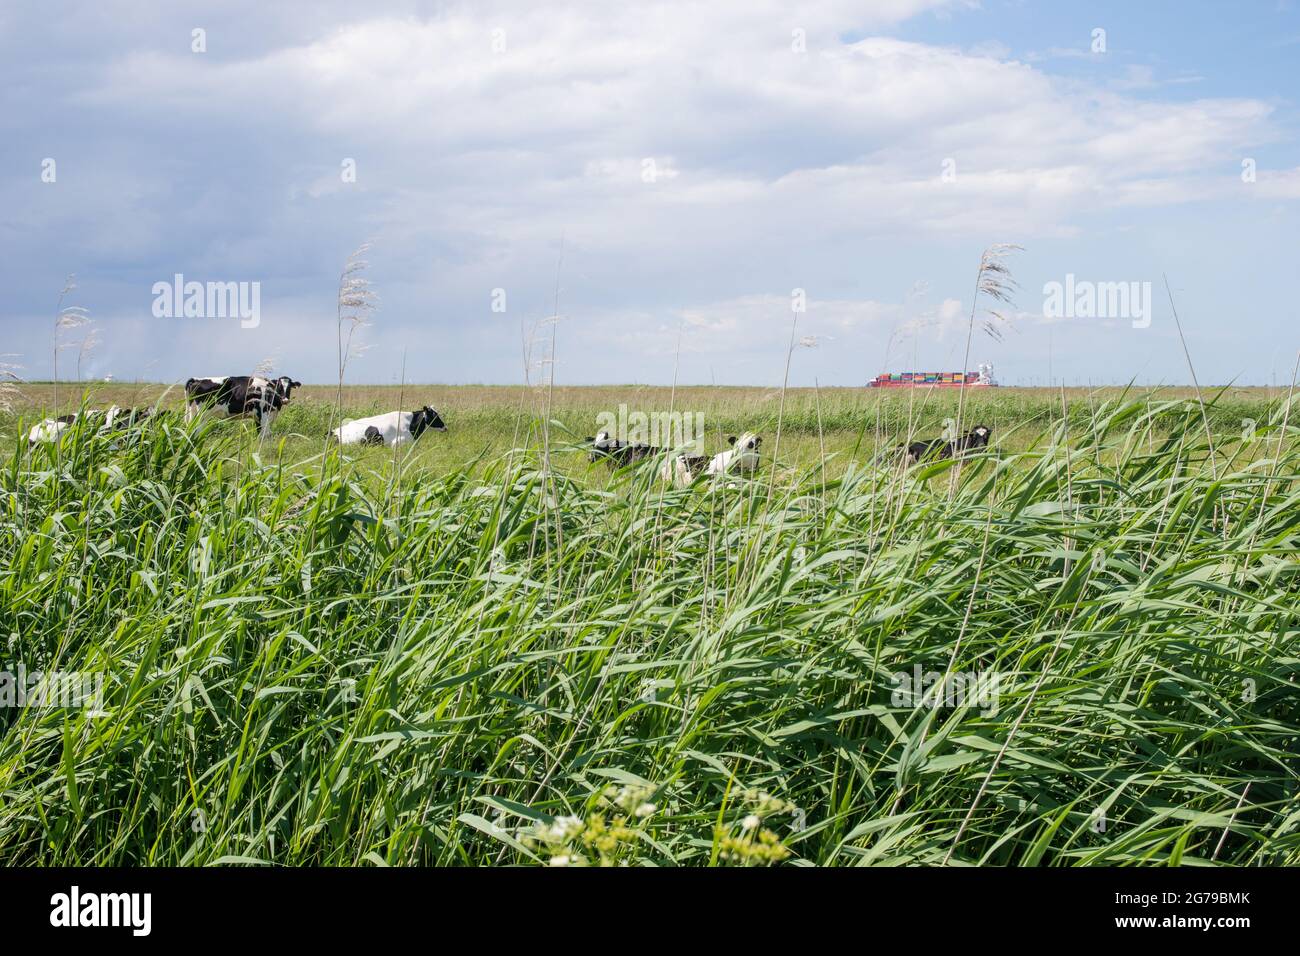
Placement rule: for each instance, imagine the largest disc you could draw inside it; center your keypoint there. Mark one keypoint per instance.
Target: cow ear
(731, 439)
(590, 438)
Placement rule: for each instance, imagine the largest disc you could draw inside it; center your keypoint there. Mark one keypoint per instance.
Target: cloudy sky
(682, 168)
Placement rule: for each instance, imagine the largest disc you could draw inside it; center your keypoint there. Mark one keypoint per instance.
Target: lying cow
(742, 456)
(618, 454)
(940, 448)
(391, 428)
(112, 418)
(240, 396)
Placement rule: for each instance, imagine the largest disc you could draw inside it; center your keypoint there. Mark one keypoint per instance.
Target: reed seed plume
(10, 392)
(356, 304)
(67, 320)
(90, 341)
(995, 281)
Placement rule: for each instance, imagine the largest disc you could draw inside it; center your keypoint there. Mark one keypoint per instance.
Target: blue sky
(865, 153)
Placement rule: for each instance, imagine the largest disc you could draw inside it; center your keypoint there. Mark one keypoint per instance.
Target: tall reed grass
(388, 665)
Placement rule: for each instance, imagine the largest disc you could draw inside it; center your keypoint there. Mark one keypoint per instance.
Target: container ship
(981, 379)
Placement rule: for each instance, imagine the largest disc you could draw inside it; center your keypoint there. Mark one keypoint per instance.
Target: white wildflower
(561, 830)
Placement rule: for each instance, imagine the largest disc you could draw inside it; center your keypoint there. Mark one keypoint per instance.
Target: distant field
(1078, 647)
(484, 422)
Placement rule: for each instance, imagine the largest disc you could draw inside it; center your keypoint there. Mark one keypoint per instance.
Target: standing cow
(240, 396)
(940, 448)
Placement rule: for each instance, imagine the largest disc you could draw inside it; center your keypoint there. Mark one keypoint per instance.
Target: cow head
(426, 418)
(284, 385)
(979, 436)
(601, 446)
(745, 451)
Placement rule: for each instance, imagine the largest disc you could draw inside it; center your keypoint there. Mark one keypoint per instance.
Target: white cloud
(773, 168)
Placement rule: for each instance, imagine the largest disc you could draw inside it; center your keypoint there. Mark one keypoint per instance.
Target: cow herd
(262, 399)
(680, 469)
(743, 455)
(108, 419)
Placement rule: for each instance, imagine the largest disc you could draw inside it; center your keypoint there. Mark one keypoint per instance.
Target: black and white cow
(118, 418)
(681, 470)
(391, 428)
(742, 456)
(618, 454)
(112, 418)
(940, 448)
(240, 396)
